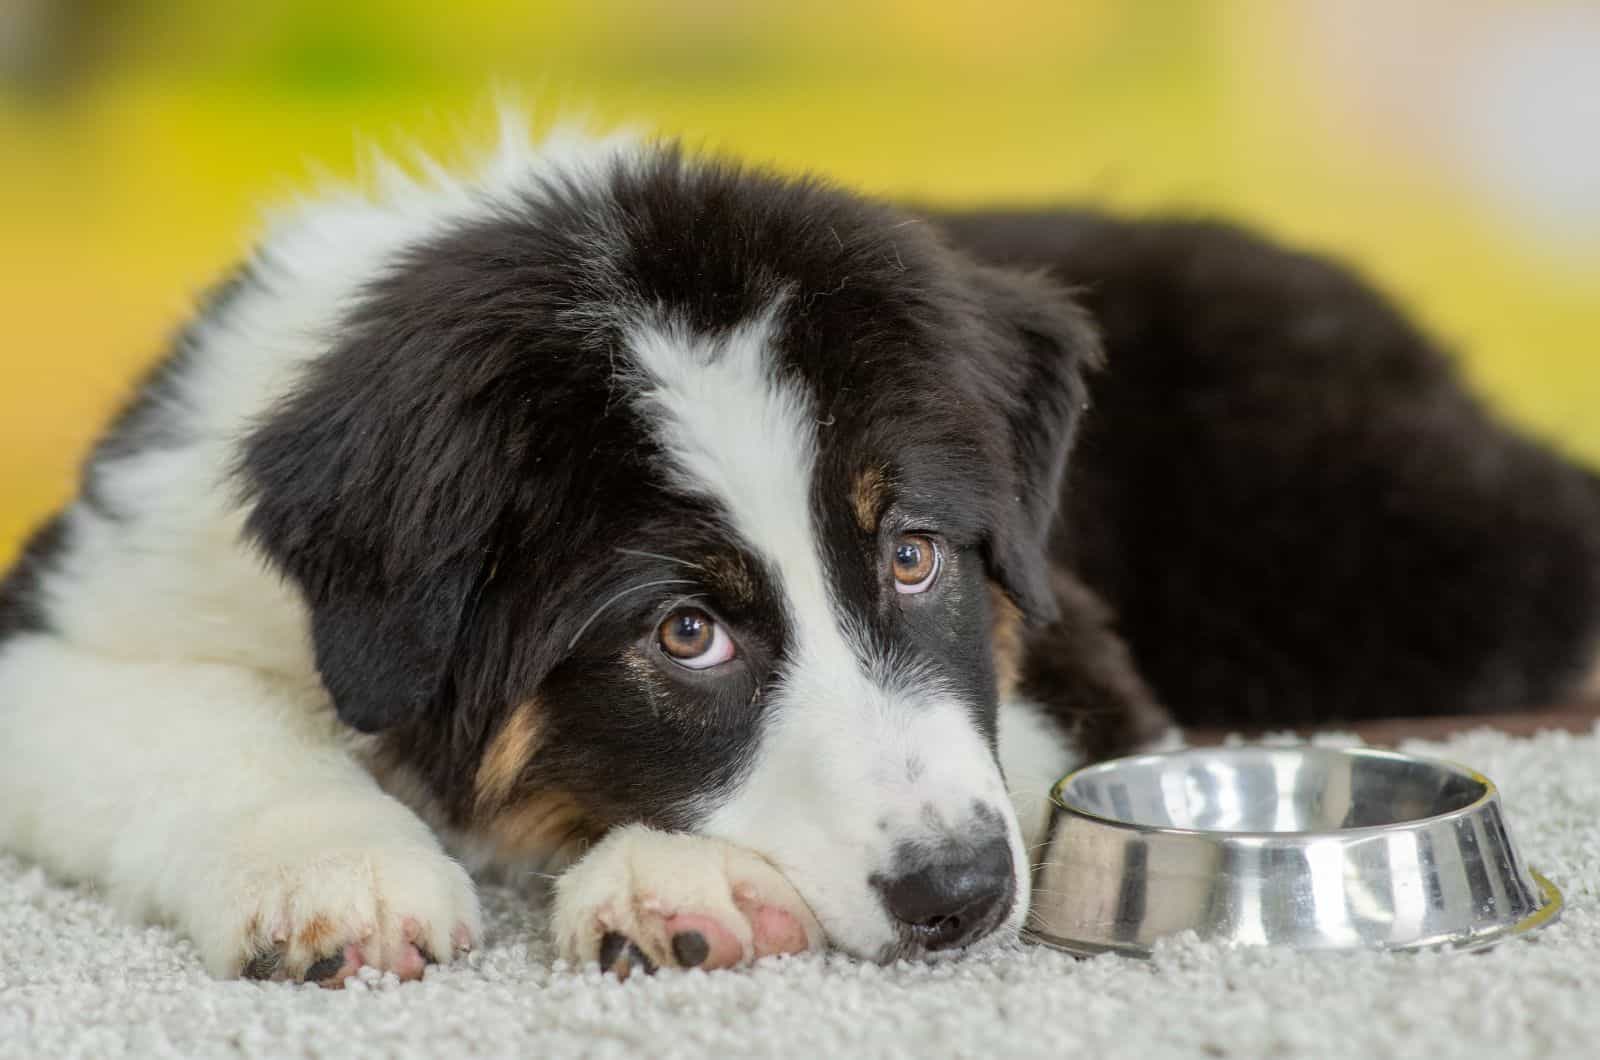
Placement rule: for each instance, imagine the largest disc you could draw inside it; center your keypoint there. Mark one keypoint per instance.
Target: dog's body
(1294, 509)
(718, 529)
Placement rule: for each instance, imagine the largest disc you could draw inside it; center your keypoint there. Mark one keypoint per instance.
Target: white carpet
(76, 982)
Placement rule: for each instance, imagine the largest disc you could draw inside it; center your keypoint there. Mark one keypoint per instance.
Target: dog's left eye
(916, 563)
(692, 638)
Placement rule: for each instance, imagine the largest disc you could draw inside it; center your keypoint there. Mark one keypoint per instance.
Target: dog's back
(1291, 503)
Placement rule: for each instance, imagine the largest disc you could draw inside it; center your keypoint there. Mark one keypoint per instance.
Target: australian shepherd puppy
(709, 537)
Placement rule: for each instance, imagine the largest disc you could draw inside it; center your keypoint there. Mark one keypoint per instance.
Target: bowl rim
(1490, 794)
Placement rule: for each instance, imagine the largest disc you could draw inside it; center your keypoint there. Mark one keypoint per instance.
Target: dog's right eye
(692, 638)
(915, 563)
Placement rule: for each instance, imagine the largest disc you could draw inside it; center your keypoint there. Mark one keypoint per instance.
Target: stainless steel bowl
(1311, 847)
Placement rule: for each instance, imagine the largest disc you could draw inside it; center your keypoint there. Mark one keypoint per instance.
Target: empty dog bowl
(1311, 847)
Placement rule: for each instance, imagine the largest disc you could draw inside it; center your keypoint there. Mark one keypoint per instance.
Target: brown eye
(915, 563)
(692, 638)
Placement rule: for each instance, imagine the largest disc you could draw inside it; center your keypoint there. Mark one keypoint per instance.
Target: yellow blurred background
(1450, 148)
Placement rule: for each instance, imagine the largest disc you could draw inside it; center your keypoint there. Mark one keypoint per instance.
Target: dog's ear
(1045, 343)
(344, 501)
(367, 486)
(384, 656)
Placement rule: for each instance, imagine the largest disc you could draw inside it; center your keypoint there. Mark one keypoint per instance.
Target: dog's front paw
(643, 899)
(320, 909)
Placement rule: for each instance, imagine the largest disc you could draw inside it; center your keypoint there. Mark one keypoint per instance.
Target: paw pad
(690, 948)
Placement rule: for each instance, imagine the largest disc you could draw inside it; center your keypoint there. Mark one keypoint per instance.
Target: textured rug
(76, 982)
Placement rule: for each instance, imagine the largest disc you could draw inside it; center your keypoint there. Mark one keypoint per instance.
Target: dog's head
(665, 491)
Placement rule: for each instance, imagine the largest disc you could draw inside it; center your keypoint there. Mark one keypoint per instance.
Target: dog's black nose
(953, 894)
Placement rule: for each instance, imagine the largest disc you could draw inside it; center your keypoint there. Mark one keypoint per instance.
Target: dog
(708, 539)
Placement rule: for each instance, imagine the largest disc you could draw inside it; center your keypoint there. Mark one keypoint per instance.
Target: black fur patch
(1294, 508)
(22, 606)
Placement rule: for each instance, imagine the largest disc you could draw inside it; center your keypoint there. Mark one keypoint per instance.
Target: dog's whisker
(619, 595)
(684, 599)
(1051, 892)
(659, 556)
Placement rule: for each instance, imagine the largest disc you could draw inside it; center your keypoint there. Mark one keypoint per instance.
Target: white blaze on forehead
(745, 438)
(737, 435)
(855, 758)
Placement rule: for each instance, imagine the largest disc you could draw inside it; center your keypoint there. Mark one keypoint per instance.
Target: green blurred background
(1449, 148)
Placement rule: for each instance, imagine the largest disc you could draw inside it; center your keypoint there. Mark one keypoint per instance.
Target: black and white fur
(369, 569)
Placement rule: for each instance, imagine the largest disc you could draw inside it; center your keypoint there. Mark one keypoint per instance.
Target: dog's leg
(222, 801)
(643, 899)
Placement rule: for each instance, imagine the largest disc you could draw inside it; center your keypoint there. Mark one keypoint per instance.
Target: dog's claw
(620, 956)
(261, 966)
(325, 968)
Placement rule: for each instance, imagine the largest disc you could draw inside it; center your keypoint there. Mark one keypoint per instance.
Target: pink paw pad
(777, 931)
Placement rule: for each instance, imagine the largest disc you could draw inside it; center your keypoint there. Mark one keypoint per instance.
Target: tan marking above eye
(866, 497)
(730, 577)
(915, 560)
